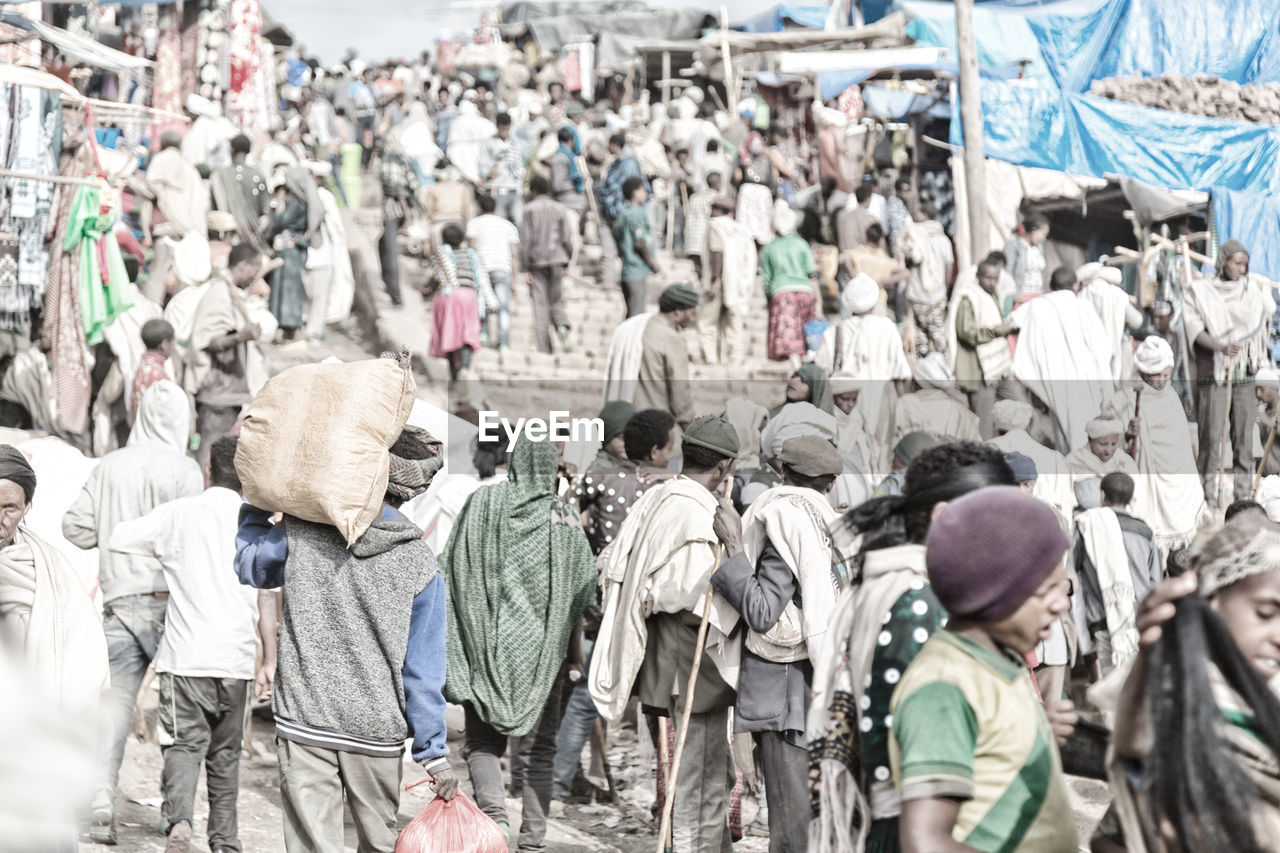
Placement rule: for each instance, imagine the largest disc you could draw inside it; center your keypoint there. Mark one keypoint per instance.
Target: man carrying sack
(342, 719)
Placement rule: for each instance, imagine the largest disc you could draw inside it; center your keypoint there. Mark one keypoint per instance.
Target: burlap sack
(315, 442)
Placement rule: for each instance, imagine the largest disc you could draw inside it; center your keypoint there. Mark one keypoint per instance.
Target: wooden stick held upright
(669, 804)
(1226, 428)
(1266, 454)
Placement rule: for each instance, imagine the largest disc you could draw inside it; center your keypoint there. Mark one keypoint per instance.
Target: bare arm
(927, 824)
(269, 603)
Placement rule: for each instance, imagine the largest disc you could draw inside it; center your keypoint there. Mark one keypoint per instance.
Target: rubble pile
(1202, 94)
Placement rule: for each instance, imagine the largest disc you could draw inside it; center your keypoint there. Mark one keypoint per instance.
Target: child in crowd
(157, 337)
(1204, 687)
(972, 749)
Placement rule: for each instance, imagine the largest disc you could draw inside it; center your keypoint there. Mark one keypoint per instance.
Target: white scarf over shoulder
(661, 562)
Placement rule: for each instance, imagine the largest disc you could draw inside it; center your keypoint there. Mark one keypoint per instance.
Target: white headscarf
(1153, 355)
(164, 415)
(793, 420)
(1101, 427)
(860, 295)
(932, 371)
(1098, 270)
(1009, 415)
(784, 220)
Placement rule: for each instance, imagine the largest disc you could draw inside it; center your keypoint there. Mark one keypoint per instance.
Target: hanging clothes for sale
(245, 55)
(104, 285)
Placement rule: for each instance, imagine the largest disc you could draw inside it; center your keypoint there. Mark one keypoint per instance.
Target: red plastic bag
(456, 826)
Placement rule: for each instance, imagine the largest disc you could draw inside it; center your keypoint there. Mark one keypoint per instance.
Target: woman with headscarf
(755, 188)
(881, 623)
(1195, 758)
(456, 307)
(790, 284)
(936, 407)
(866, 345)
(519, 573)
(295, 225)
(1226, 324)
(56, 654)
(807, 385)
(1166, 494)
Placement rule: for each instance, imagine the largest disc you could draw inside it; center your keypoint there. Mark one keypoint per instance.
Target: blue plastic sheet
(1075, 42)
(774, 20)
(1255, 222)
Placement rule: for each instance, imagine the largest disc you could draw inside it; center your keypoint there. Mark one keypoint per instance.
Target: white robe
(1114, 310)
(871, 351)
(1063, 359)
(1168, 494)
(1053, 474)
(622, 367)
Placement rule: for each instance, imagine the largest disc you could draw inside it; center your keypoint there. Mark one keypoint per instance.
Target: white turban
(1100, 427)
(933, 371)
(1097, 270)
(784, 220)
(1267, 377)
(1153, 355)
(843, 383)
(794, 420)
(318, 168)
(202, 107)
(860, 295)
(695, 94)
(1009, 415)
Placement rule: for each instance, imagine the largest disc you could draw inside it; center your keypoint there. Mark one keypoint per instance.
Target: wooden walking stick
(1137, 407)
(1226, 428)
(1266, 454)
(674, 773)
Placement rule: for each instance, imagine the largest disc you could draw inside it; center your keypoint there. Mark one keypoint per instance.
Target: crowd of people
(984, 521)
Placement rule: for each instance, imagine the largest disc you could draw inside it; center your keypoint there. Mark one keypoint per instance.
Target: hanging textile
(167, 94)
(245, 54)
(62, 330)
(103, 283)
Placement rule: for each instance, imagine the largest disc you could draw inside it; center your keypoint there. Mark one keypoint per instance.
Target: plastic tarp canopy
(775, 19)
(523, 12)
(78, 47)
(552, 34)
(1255, 222)
(1075, 42)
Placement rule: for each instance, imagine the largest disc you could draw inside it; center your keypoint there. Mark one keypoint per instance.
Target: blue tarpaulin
(1079, 41)
(1255, 222)
(774, 20)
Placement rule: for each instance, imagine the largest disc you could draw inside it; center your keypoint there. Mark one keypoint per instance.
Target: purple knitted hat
(989, 551)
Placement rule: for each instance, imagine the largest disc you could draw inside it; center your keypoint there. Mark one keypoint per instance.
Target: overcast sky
(381, 28)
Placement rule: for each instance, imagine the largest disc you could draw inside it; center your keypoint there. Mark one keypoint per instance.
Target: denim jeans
(501, 282)
(133, 625)
(509, 205)
(575, 729)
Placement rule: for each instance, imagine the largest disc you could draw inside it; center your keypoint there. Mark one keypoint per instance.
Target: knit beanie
(614, 416)
(989, 551)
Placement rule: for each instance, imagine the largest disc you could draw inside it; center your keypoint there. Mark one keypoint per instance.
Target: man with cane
(664, 634)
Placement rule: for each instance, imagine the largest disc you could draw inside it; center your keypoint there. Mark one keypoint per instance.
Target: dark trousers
(364, 135)
(389, 257)
(202, 721)
(213, 422)
(483, 749)
(633, 293)
(1212, 404)
(548, 303)
(785, 768)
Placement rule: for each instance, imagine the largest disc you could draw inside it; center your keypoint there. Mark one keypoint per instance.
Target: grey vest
(346, 631)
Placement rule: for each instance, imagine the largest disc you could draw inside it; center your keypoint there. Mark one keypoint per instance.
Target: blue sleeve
(261, 549)
(423, 675)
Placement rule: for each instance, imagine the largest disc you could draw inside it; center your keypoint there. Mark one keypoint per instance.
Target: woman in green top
(790, 284)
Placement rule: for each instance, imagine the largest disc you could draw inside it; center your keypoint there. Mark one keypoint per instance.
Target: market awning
(776, 18)
(21, 75)
(76, 46)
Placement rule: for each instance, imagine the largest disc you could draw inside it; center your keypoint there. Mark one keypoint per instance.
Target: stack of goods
(1203, 94)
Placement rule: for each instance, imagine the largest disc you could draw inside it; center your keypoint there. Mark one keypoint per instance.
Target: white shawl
(1229, 311)
(1111, 304)
(871, 350)
(661, 562)
(43, 601)
(994, 355)
(796, 521)
(738, 272)
(626, 349)
(1064, 360)
(1104, 543)
(1168, 493)
(1053, 475)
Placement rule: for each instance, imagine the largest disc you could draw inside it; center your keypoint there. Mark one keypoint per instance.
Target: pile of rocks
(1203, 94)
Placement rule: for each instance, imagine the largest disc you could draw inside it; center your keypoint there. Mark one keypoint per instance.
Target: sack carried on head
(315, 443)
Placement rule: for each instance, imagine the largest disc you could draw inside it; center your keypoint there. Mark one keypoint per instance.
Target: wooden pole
(726, 59)
(670, 803)
(1266, 454)
(666, 81)
(971, 121)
